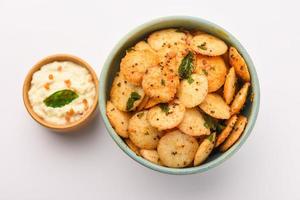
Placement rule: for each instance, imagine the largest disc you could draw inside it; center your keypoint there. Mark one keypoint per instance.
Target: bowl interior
(27, 84)
(111, 66)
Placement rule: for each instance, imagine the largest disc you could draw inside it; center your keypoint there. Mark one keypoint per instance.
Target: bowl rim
(206, 166)
(27, 84)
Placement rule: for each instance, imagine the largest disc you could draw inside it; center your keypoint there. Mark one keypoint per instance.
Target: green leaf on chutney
(60, 98)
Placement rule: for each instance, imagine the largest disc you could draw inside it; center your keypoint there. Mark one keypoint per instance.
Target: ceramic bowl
(60, 128)
(111, 66)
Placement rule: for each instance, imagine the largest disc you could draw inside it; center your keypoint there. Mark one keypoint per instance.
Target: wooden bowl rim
(27, 84)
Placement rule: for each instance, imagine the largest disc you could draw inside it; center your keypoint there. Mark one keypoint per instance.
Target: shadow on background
(88, 133)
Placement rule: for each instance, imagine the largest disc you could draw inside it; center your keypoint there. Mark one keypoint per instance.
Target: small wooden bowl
(27, 83)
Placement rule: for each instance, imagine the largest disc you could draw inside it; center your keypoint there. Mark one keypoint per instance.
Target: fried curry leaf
(60, 98)
(203, 46)
(134, 96)
(213, 124)
(212, 137)
(186, 67)
(164, 107)
(190, 80)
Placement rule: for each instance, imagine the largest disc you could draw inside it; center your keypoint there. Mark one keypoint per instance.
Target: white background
(36, 164)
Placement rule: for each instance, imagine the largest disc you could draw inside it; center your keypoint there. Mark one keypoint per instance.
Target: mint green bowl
(111, 66)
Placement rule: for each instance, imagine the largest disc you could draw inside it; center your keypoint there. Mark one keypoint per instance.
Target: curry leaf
(164, 107)
(186, 67)
(212, 137)
(190, 80)
(213, 124)
(202, 46)
(134, 96)
(60, 98)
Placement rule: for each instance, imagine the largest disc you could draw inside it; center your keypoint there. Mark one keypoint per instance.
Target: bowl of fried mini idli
(179, 95)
